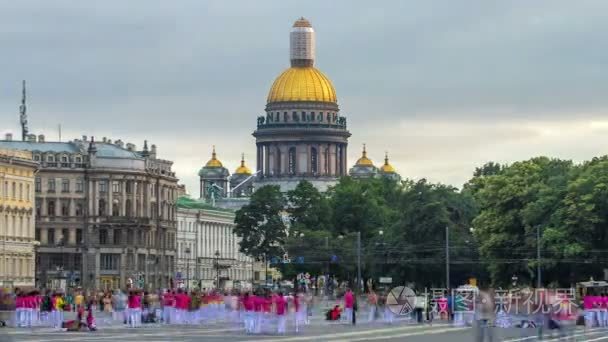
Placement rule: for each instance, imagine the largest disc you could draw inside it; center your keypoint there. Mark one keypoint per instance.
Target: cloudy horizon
(443, 87)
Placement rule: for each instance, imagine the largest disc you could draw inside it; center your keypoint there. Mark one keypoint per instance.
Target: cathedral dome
(364, 161)
(302, 84)
(214, 162)
(387, 167)
(243, 169)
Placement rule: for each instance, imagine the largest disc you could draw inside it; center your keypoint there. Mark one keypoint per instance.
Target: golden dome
(387, 168)
(242, 170)
(302, 22)
(302, 84)
(364, 161)
(214, 162)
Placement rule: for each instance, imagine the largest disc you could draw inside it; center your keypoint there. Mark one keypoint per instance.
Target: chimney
(119, 143)
(31, 137)
(8, 136)
(104, 139)
(153, 151)
(41, 138)
(130, 147)
(84, 138)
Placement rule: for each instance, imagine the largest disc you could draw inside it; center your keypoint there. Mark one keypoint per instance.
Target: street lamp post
(187, 252)
(447, 257)
(538, 269)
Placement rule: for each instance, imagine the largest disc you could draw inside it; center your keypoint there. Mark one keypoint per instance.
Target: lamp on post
(187, 252)
(217, 269)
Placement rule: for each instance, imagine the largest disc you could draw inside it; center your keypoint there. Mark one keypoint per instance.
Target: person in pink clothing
(349, 301)
(281, 310)
(134, 304)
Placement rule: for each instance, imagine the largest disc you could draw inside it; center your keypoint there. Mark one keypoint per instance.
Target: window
(102, 207)
(128, 187)
(27, 193)
(51, 184)
(303, 116)
(38, 184)
(117, 237)
(38, 210)
(79, 185)
(50, 208)
(292, 161)
(285, 116)
(130, 234)
(78, 209)
(109, 262)
(103, 237)
(37, 157)
(65, 208)
(128, 207)
(115, 211)
(50, 236)
(78, 159)
(79, 236)
(64, 161)
(14, 193)
(313, 160)
(20, 192)
(115, 187)
(50, 159)
(103, 186)
(65, 236)
(65, 185)
(37, 237)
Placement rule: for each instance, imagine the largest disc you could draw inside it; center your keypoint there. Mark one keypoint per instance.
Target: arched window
(292, 161)
(313, 161)
(115, 211)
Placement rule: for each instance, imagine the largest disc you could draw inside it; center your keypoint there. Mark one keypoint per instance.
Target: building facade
(105, 213)
(17, 219)
(302, 136)
(208, 249)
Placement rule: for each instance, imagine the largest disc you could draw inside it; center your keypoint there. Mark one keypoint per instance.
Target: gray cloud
(190, 74)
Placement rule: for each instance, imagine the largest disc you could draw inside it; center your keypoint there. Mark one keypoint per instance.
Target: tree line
(492, 223)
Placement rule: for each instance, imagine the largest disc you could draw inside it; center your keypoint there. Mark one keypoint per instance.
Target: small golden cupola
(364, 161)
(243, 169)
(214, 162)
(387, 167)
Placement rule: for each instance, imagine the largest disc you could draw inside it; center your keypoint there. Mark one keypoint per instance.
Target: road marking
(597, 339)
(578, 333)
(362, 332)
(386, 337)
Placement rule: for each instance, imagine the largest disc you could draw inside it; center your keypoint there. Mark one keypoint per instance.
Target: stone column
(266, 150)
(110, 204)
(72, 236)
(345, 159)
(258, 159)
(134, 201)
(43, 236)
(308, 158)
(123, 198)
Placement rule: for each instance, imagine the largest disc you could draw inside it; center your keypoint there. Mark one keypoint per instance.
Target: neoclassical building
(17, 170)
(207, 248)
(105, 213)
(302, 136)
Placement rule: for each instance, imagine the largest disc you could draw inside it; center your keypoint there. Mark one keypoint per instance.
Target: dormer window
(50, 159)
(37, 157)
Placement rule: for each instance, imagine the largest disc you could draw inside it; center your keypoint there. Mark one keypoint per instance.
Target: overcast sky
(444, 86)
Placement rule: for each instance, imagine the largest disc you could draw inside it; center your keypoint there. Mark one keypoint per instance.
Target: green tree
(308, 209)
(260, 224)
(512, 204)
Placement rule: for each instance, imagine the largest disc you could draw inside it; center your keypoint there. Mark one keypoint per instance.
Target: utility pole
(447, 257)
(538, 270)
(358, 261)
